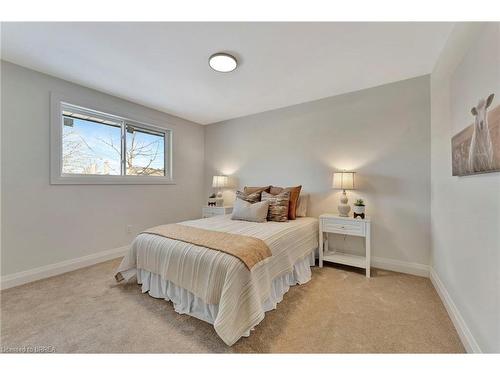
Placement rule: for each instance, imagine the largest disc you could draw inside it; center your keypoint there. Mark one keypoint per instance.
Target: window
(144, 151)
(91, 144)
(93, 147)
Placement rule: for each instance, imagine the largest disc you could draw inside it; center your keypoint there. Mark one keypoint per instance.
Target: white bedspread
(219, 278)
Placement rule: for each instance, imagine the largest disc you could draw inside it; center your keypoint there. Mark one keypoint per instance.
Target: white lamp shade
(343, 180)
(220, 181)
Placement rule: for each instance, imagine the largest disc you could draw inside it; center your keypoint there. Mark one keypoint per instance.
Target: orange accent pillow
(256, 189)
(294, 198)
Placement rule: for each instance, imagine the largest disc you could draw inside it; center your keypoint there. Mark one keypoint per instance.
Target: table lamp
(344, 181)
(220, 182)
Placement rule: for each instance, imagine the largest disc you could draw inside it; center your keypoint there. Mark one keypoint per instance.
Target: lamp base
(343, 207)
(344, 210)
(219, 201)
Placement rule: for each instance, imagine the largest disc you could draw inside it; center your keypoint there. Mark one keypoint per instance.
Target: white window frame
(57, 101)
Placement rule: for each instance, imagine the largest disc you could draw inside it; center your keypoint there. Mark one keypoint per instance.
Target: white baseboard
(468, 340)
(417, 269)
(19, 278)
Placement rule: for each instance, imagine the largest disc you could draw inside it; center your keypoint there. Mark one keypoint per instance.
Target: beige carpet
(339, 310)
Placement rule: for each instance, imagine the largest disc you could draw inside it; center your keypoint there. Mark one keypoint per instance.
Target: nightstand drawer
(343, 227)
(208, 212)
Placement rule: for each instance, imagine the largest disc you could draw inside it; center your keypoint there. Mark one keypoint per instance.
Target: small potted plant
(211, 200)
(359, 208)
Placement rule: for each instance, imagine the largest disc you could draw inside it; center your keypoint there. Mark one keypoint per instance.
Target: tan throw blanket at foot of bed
(249, 250)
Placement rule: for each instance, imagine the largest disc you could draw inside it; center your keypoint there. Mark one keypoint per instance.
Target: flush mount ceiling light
(222, 62)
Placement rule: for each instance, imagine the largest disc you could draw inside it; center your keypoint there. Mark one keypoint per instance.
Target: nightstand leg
(320, 248)
(368, 250)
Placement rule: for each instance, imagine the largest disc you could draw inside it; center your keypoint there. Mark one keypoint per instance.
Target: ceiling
(165, 65)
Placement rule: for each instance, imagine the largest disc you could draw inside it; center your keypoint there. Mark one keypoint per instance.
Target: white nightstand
(209, 211)
(331, 223)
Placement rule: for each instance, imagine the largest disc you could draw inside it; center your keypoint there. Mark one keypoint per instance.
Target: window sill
(110, 180)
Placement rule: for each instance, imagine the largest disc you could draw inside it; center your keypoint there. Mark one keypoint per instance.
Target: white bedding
(220, 279)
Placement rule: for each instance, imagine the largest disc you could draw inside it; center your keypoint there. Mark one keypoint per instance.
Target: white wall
(466, 210)
(43, 224)
(383, 133)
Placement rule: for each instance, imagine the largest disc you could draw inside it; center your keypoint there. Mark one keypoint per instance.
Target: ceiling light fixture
(222, 62)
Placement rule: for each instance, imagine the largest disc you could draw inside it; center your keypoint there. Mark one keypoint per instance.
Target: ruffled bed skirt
(186, 302)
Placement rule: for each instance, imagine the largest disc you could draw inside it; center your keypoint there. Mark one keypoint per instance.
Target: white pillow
(247, 211)
(302, 205)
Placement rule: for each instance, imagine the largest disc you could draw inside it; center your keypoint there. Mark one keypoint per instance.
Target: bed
(217, 287)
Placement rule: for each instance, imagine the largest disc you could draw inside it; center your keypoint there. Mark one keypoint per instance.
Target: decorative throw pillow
(243, 210)
(294, 197)
(251, 198)
(278, 205)
(256, 189)
(302, 205)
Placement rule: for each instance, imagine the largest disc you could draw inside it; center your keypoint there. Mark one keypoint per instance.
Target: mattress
(220, 279)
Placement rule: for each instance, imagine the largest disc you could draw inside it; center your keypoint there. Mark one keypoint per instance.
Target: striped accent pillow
(278, 206)
(250, 198)
(294, 198)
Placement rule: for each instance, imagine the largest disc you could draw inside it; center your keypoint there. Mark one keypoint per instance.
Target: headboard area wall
(382, 133)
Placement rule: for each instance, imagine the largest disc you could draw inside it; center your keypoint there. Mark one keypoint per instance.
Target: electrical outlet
(129, 229)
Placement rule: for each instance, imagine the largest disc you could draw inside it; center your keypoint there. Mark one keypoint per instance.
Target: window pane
(145, 152)
(90, 147)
